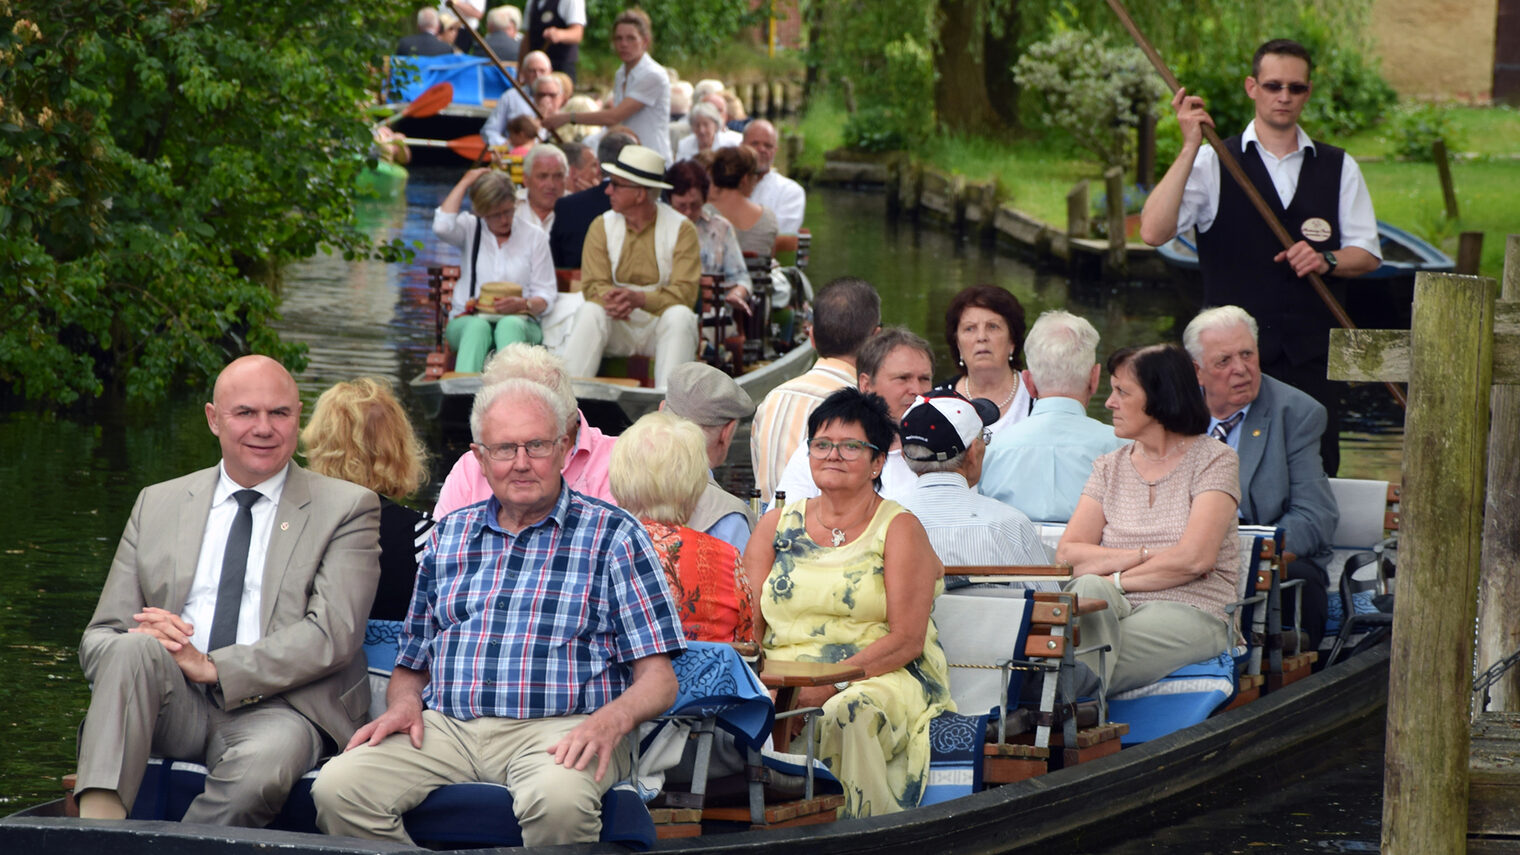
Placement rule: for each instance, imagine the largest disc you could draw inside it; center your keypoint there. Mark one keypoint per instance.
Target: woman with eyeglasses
(506, 274)
(850, 577)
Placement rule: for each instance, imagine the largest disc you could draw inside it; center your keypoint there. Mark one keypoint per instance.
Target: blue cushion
(481, 814)
(1184, 697)
(169, 786)
(955, 757)
(474, 79)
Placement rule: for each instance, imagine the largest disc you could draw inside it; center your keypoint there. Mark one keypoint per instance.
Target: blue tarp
(475, 79)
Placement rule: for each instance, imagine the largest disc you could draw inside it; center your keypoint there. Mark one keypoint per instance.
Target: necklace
(1006, 401)
(838, 535)
(1152, 458)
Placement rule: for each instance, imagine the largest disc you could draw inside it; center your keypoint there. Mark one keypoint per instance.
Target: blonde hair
(491, 191)
(659, 468)
(359, 433)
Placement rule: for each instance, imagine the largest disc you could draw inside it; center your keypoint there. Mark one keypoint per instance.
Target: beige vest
(667, 227)
(715, 504)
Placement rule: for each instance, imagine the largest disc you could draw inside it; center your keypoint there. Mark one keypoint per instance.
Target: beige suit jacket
(320, 573)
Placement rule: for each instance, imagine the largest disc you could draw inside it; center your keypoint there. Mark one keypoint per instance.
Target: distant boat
(1380, 299)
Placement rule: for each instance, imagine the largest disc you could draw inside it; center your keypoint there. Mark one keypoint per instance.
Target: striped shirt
(780, 423)
(538, 624)
(967, 528)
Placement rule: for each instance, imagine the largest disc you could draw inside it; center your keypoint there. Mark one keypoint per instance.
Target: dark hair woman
(1154, 531)
(860, 568)
(984, 327)
(716, 237)
(733, 180)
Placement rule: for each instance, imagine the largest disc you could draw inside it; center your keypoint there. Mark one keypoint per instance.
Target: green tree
(164, 160)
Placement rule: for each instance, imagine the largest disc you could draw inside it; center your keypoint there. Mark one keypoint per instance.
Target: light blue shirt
(732, 529)
(966, 528)
(1040, 464)
(1232, 439)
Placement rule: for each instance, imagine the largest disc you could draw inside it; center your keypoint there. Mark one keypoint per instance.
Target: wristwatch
(841, 685)
(1330, 260)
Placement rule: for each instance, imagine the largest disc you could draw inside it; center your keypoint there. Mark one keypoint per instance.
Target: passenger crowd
(562, 569)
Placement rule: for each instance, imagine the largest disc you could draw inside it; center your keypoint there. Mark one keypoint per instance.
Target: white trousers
(670, 337)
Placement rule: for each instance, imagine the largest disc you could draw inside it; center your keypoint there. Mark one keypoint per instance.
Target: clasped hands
(174, 634)
(620, 302)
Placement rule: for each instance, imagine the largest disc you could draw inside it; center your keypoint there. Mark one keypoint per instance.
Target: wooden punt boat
(1040, 811)
(1378, 300)
(613, 403)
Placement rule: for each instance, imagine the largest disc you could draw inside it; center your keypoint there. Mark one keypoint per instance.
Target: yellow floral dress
(825, 604)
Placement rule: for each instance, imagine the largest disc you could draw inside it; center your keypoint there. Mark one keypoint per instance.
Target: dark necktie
(1223, 429)
(229, 593)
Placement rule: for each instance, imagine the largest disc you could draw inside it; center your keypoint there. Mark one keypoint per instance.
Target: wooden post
(1113, 180)
(1469, 253)
(1078, 214)
(1445, 437)
(1145, 150)
(1448, 190)
(1499, 585)
(791, 146)
(957, 198)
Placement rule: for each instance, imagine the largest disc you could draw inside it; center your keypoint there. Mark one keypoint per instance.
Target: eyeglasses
(504, 451)
(849, 449)
(627, 186)
(1276, 86)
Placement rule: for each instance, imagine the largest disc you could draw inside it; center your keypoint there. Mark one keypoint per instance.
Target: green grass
(1036, 171)
(1475, 130)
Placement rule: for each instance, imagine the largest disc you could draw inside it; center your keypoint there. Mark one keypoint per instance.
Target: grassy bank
(1036, 171)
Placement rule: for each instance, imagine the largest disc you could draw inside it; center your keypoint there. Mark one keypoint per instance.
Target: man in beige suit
(230, 626)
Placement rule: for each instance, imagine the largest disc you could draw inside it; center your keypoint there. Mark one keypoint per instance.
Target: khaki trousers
(364, 792)
(141, 703)
(1150, 640)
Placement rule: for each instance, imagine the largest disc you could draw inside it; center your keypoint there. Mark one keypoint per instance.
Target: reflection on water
(73, 477)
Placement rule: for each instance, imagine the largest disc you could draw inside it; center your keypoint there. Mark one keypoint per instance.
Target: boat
(1381, 299)
(1016, 817)
(612, 403)
(383, 180)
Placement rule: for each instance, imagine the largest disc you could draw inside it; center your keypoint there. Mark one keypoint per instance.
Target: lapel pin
(285, 526)
(1255, 433)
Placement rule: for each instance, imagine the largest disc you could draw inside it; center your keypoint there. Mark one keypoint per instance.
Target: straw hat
(491, 290)
(641, 165)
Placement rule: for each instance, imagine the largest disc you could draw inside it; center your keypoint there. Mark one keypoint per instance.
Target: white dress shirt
(1200, 198)
(200, 606)
(968, 529)
(784, 196)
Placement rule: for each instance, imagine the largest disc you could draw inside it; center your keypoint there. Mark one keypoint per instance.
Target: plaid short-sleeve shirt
(539, 624)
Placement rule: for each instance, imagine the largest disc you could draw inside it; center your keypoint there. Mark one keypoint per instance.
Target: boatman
(640, 265)
(1317, 193)
(514, 103)
(539, 637)
(230, 628)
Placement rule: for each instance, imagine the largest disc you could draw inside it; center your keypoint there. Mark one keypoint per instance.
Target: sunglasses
(1275, 87)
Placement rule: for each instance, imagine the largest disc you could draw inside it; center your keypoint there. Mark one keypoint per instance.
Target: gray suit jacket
(1282, 480)
(320, 573)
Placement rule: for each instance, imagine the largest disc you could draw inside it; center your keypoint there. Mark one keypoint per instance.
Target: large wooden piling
(1499, 586)
(1117, 240)
(1425, 786)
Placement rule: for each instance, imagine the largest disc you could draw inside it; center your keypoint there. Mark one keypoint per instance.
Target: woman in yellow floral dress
(851, 577)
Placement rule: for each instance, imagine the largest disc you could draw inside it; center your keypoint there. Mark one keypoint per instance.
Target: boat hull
(1013, 818)
(608, 406)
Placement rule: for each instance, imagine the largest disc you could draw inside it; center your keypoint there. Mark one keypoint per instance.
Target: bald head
(255, 414)
(760, 135)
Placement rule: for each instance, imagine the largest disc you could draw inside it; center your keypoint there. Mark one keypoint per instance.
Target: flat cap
(703, 394)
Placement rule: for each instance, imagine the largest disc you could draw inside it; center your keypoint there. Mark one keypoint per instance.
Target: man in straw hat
(640, 267)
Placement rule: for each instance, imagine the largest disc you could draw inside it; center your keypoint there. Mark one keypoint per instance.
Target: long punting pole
(501, 66)
(1227, 158)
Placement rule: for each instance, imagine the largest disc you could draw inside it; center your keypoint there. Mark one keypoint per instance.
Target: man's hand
(598, 736)
(1191, 117)
(174, 634)
(404, 714)
(620, 302)
(1304, 259)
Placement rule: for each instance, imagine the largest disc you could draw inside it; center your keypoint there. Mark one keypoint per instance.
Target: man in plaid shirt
(540, 635)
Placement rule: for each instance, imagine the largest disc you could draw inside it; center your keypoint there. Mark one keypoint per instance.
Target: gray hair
(612, 144)
(575, 153)
(706, 87)
(520, 360)
(541, 151)
(680, 96)
(924, 467)
(518, 387)
(1217, 318)
(427, 19)
(1061, 350)
(876, 349)
(706, 111)
(501, 16)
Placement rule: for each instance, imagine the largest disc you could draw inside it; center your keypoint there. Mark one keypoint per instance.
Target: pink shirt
(585, 471)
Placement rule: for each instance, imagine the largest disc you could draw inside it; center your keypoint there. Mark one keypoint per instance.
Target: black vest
(1235, 254)
(539, 15)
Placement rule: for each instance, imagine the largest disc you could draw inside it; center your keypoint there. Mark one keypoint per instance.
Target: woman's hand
(738, 297)
(452, 201)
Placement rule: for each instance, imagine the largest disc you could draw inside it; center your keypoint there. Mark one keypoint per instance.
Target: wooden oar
(469, 148)
(432, 100)
(501, 66)
(1232, 166)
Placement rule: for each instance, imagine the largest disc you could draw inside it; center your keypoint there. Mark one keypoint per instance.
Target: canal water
(71, 476)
